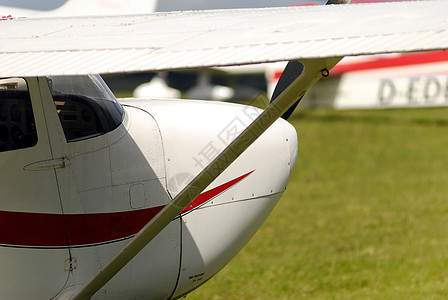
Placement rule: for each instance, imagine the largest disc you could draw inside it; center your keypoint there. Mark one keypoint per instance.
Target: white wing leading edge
(194, 39)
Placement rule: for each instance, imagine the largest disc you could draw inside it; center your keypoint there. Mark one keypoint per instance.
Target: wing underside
(195, 39)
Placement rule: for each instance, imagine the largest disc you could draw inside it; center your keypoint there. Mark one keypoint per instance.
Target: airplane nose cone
(219, 222)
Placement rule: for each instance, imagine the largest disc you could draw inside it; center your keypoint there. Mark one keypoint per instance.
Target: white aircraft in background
(108, 199)
(384, 81)
(76, 8)
(378, 81)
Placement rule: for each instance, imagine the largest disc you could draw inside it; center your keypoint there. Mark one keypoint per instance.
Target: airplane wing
(195, 39)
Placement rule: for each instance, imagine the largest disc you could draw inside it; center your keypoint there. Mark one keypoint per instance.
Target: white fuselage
(69, 204)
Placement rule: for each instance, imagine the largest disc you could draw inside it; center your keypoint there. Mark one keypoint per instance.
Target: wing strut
(313, 70)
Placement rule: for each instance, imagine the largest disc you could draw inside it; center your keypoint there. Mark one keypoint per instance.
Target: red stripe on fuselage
(208, 195)
(57, 230)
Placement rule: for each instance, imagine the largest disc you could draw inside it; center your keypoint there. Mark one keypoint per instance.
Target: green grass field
(365, 215)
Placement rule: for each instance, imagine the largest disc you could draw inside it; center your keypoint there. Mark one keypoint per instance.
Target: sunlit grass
(365, 215)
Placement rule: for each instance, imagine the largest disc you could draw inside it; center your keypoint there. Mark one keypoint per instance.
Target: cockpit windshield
(85, 105)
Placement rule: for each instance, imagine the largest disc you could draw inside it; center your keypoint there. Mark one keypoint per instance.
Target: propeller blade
(292, 71)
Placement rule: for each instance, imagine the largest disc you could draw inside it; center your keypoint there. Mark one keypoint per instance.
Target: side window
(85, 106)
(17, 125)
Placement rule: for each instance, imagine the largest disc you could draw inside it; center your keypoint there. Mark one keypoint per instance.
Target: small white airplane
(107, 199)
(378, 81)
(385, 81)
